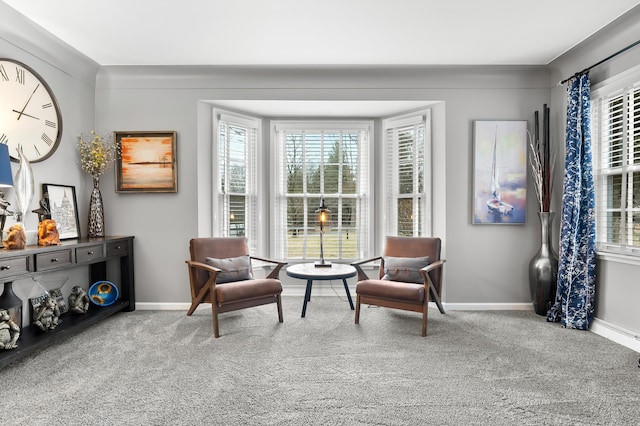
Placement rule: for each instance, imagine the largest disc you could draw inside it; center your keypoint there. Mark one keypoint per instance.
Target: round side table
(309, 272)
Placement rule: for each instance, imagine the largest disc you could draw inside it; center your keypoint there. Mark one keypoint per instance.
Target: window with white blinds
(407, 175)
(315, 161)
(235, 208)
(616, 137)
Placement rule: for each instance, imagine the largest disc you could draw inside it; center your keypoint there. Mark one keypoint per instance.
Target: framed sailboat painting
(499, 172)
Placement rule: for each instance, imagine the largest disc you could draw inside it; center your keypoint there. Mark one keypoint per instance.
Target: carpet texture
(475, 367)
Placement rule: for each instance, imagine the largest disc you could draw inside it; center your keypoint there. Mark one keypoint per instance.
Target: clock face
(29, 113)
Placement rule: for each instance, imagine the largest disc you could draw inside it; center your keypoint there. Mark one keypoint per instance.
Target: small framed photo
(499, 172)
(147, 163)
(63, 206)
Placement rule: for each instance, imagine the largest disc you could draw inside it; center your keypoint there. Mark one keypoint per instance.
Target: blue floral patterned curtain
(575, 295)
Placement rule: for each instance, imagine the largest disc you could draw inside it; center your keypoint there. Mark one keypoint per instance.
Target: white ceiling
(322, 32)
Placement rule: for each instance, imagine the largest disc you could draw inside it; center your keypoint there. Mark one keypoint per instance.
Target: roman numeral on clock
(47, 139)
(37, 150)
(49, 105)
(3, 73)
(20, 75)
(50, 123)
(4, 139)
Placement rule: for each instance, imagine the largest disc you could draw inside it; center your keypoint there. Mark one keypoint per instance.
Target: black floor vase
(543, 268)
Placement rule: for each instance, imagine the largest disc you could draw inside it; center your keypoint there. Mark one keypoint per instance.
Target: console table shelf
(92, 252)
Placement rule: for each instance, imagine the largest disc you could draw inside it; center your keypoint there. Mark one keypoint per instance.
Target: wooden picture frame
(63, 207)
(148, 161)
(499, 172)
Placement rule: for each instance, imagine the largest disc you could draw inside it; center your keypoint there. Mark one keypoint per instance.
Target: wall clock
(29, 113)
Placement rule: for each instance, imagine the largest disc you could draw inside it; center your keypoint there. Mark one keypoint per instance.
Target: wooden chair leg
(214, 313)
(357, 309)
(279, 303)
(193, 307)
(195, 301)
(425, 311)
(435, 298)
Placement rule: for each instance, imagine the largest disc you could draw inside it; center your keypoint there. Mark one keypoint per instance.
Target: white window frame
(601, 93)
(390, 179)
(278, 175)
(254, 203)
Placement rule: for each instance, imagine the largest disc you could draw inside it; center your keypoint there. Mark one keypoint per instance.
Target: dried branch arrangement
(542, 161)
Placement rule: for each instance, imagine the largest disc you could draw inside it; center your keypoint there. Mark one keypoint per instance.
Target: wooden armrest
(262, 259)
(276, 270)
(361, 274)
(200, 265)
(430, 267)
(362, 262)
(210, 285)
(427, 279)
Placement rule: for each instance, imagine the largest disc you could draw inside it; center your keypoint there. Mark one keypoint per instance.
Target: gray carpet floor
(164, 368)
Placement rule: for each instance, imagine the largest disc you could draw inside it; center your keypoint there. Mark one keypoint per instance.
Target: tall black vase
(12, 303)
(543, 268)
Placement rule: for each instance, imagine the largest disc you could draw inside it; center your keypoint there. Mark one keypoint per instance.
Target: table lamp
(323, 215)
(6, 181)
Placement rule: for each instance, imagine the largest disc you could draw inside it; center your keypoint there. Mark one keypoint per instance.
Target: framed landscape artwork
(499, 172)
(148, 162)
(64, 209)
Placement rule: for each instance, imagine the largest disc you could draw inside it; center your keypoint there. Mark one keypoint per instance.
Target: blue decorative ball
(103, 293)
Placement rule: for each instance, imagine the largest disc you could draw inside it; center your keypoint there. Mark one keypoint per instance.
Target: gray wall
(485, 264)
(72, 79)
(71, 76)
(147, 98)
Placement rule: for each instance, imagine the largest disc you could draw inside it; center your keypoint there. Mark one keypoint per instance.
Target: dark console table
(91, 252)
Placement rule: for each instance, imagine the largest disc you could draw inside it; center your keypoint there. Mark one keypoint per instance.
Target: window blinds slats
(616, 124)
(405, 175)
(237, 204)
(317, 163)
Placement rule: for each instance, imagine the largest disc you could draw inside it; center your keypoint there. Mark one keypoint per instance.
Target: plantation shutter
(316, 161)
(237, 207)
(616, 125)
(407, 175)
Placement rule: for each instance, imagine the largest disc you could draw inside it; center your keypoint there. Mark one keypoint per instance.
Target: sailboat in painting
(495, 204)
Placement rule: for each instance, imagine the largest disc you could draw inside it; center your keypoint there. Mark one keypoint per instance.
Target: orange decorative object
(48, 234)
(16, 239)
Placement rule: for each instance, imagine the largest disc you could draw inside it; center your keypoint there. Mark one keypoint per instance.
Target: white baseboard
(616, 334)
(150, 306)
(488, 306)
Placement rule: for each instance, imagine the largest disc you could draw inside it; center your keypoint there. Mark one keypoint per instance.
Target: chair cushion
(404, 269)
(391, 290)
(233, 268)
(251, 289)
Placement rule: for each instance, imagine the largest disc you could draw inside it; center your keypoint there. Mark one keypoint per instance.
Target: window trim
(620, 84)
(395, 122)
(310, 124)
(257, 236)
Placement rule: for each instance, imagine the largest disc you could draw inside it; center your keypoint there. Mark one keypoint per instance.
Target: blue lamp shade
(6, 180)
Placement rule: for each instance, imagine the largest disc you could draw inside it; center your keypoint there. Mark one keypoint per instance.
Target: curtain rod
(601, 62)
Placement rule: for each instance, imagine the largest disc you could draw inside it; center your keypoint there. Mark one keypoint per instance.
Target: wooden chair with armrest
(220, 274)
(424, 282)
